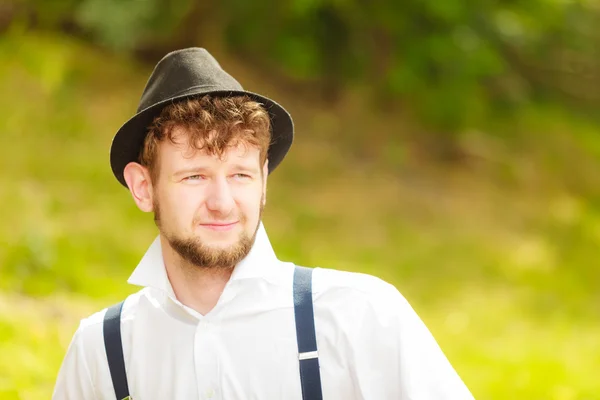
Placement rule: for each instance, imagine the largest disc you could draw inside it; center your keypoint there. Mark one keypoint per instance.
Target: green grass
(496, 255)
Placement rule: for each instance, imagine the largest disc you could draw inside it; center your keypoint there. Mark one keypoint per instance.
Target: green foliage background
(451, 148)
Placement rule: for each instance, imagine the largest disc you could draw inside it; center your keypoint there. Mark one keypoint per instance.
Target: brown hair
(212, 124)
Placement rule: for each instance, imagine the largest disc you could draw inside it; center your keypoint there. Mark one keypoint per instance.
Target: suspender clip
(308, 355)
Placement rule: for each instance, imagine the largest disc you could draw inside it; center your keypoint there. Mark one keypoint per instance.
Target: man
(220, 317)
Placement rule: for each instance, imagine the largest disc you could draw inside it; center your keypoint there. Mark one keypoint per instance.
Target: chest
(248, 352)
(253, 357)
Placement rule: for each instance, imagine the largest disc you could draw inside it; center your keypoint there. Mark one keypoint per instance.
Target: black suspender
(114, 350)
(310, 377)
(308, 356)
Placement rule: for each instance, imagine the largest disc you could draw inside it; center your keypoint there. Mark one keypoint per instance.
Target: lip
(220, 226)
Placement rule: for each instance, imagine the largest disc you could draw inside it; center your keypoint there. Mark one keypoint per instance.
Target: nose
(219, 197)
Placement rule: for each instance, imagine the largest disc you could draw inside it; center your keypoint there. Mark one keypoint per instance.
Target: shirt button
(210, 393)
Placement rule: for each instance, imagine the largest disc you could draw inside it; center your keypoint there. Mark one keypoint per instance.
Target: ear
(265, 175)
(138, 181)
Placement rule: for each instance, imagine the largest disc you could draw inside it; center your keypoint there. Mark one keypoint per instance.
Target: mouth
(220, 226)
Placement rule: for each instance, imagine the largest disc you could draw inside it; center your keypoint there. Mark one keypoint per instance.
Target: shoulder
(89, 335)
(84, 372)
(95, 320)
(357, 291)
(352, 283)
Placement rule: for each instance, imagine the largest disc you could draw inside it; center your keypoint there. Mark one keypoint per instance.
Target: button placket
(206, 358)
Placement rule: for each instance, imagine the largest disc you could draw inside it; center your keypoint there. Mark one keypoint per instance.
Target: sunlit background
(450, 147)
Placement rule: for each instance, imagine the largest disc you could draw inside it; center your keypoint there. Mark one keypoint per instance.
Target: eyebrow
(245, 168)
(189, 171)
(235, 167)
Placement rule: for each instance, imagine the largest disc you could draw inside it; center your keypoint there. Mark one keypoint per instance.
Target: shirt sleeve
(74, 380)
(396, 356)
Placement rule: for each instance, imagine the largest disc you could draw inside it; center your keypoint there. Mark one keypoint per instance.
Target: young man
(220, 317)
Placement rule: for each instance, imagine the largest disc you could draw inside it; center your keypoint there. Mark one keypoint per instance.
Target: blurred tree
(449, 62)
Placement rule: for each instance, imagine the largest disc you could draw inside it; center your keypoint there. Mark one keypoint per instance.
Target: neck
(197, 288)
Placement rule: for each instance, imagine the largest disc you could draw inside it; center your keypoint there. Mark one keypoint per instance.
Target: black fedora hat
(183, 74)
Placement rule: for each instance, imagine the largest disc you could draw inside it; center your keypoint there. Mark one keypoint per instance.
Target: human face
(209, 207)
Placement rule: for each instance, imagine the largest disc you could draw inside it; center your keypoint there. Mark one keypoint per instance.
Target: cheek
(182, 206)
(250, 206)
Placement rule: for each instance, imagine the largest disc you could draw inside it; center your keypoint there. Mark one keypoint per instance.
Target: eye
(241, 176)
(194, 177)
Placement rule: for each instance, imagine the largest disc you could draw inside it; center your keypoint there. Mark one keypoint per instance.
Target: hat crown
(185, 71)
(180, 75)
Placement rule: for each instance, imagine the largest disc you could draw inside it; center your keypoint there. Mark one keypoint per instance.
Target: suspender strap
(310, 377)
(114, 350)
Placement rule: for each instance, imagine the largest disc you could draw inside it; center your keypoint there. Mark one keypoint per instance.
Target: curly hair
(212, 124)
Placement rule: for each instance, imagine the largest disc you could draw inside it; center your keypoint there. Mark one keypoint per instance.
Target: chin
(220, 245)
(222, 242)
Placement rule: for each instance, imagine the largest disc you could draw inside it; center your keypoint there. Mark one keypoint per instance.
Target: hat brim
(128, 140)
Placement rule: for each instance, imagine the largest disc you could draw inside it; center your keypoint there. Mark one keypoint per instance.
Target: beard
(200, 255)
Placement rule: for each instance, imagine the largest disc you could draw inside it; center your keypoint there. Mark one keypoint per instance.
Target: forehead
(180, 152)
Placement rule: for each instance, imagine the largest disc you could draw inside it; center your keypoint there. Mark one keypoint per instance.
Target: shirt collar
(261, 262)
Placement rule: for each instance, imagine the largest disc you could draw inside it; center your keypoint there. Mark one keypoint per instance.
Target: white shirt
(371, 343)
